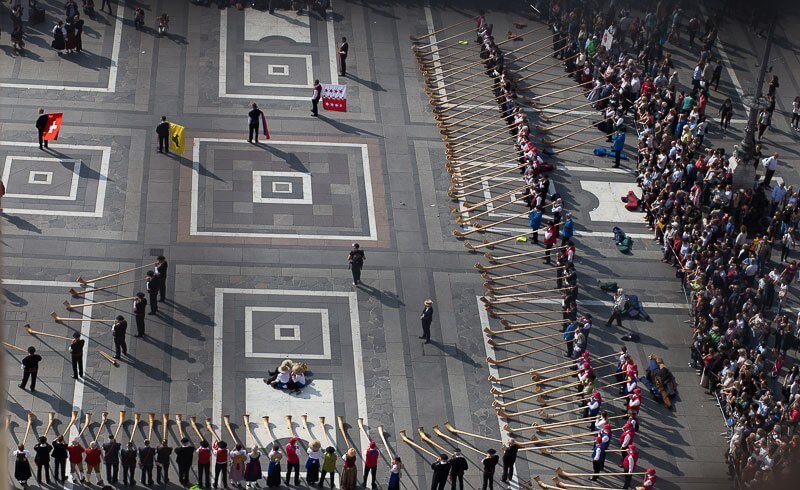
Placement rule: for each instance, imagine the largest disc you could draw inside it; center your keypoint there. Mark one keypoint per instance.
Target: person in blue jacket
(535, 221)
(568, 231)
(569, 337)
(617, 144)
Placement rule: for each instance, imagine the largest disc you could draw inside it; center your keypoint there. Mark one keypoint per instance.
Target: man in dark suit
(30, 368)
(76, 353)
(162, 130)
(111, 459)
(161, 273)
(315, 96)
(118, 331)
(254, 119)
(41, 126)
(147, 458)
(426, 318)
(151, 283)
(184, 456)
(343, 49)
(139, 305)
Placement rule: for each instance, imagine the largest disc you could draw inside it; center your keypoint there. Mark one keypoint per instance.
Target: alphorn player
(152, 287)
(118, 332)
(30, 370)
(139, 307)
(42, 459)
(184, 456)
(111, 450)
(76, 355)
(161, 273)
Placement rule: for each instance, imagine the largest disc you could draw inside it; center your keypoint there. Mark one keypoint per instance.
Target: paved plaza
(257, 236)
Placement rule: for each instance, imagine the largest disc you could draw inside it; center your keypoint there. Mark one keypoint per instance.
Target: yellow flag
(176, 143)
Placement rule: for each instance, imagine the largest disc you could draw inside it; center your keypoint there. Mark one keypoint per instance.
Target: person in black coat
(128, 459)
(59, 455)
(41, 126)
(161, 273)
(42, 459)
(147, 458)
(315, 96)
(441, 469)
(111, 451)
(184, 457)
(426, 318)
(489, 463)
(509, 458)
(458, 466)
(254, 119)
(344, 48)
(118, 331)
(139, 306)
(162, 130)
(163, 453)
(76, 353)
(30, 368)
(152, 286)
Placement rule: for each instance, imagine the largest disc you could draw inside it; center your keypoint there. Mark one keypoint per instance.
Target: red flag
(264, 124)
(334, 98)
(53, 126)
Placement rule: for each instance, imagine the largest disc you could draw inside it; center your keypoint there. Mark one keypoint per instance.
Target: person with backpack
(356, 259)
(620, 301)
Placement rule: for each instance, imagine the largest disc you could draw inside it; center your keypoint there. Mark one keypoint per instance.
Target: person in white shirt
(770, 164)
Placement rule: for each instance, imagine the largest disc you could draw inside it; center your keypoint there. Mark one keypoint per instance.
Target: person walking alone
(162, 130)
(426, 318)
(315, 96)
(76, 354)
(620, 301)
(254, 120)
(30, 368)
(356, 259)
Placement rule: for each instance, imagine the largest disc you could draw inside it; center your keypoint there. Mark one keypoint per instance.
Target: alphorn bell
(81, 280)
(51, 416)
(87, 419)
(193, 423)
(71, 307)
(31, 331)
(103, 420)
(31, 417)
(62, 319)
(136, 418)
(226, 419)
(424, 437)
(415, 445)
(120, 423)
(179, 423)
(151, 421)
(267, 427)
(210, 429)
(77, 294)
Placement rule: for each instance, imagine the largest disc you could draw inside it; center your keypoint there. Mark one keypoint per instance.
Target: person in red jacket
(93, 457)
(370, 463)
(626, 438)
(221, 454)
(204, 464)
(292, 461)
(629, 464)
(550, 237)
(649, 482)
(635, 401)
(76, 451)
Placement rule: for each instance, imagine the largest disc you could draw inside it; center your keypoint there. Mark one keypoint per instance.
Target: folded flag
(264, 125)
(54, 122)
(176, 141)
(334, 97)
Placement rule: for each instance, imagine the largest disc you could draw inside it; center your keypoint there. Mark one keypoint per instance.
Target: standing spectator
(59, 37)
(147, 459)
(725, 114)
(254, 120)
(76, 354)
(41, 126)
(795, 113)
(162, 130)
(764, 122)
(370, 463)
(788, 243)
(2, 193)
(773, 85)
(770, 164)
(328, 465)
(22, 466)
(128, 460)
(489, 463)
(78, 24)
(30, 368)
(60, 455)
(292, 461)
(715, 77)
(620, 301)
(356, 259)
(344, 48)
(426, 318)
(111, 459)
(509, 458)
(693, 24)
(315, 96)
(184, 457)
(163, 453)
(70, 10)
(76, 451)
(618, 144)
(458, 466)
(42, 459)
(94, 455)
(550, 237)
(535, 222)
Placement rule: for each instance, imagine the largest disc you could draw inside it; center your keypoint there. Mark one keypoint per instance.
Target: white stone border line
(73, 188)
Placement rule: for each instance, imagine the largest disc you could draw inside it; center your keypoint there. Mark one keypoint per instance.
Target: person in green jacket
(328, 465)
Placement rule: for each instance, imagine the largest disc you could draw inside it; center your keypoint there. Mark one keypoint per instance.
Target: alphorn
(136, 418)
(433, 33)
(536, 98)
(490, 245)
(51, 416)
(103, 420)
(418, 49)
(520, 297)
(497, 136)
(460, 167)
(385, 444)
(498, 314)
(267, 427)
(340, 425)
(12, 346)
(494, 379)
(226, 419)
(550, 323)
(478, 228)
(179, 424)
(532, 255)
(77, 294)
(494, 209)
(87, 419)
(81, 280)
(151, 421)
(120, 423)
(556, 425)
(491, 278)
(494, 391)
(248, 429)
(71, 307)
(415, 445)
(483, 188)
(62, 319)
(537, 442)
(491, 288)
(543, 485)
(567, 364)
(438, 74)
(548, 415)
(544, 402)
(550, 117)
(522, 301)
(210, 429)
(31, 331)
(564, 474)
(193, 423)
(569, 373)
(567, 485)
(424, 437)
(420, 54)
(498, 258)
(494, 343)
(31, 417)
(516, 326)
(453, 142)
(548, 141)
(459, 161)
(164, 424)
(557, 102)
(462, 180)
(453, 430)
(454, 441)
(108, 357)
(363, 430)
(521, 294)
(325, 431)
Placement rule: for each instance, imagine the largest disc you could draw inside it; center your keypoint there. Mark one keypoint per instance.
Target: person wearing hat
(118, 331)
(139, 305)
(598, 457)
(75, 451)
(635, 400)
(349, 472)
(629, 464)
(627, 437)
(161, 274)
(458, 466)
(284, 378)
(312, 462)
(292, 461)
(489, 463)
(620, 301)
(370, 463)
(426, 317)
(152, 285)
(441, 469)
(356, 259)
(649, 481)
(42, 459)
(76, 355)
(593, 408)
(30, 369)
(394, 474)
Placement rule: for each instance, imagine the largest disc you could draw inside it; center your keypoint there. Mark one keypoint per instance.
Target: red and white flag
(334, 97)
(53, 126)
(264, 127)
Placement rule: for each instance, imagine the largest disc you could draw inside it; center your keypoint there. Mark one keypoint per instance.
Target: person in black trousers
(343, 49)
(356, 259)
(76, 353)
(139, 306)
(106, 2)
(163, 453)
(315, 96)
(118, 331)
(161, 273)
(30, 368)
(111, 459)
(509, 458)
(59, 459)
(152, 286)
(147, 456)
(458, 466)
(441, 469)
(184, 457)
(489, 463)
(41, 126)
(254, 119)
(162, 130)
(42, 459)
(128, 458)
(426, 318)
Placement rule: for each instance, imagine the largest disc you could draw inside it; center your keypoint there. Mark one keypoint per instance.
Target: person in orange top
(76, 451)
